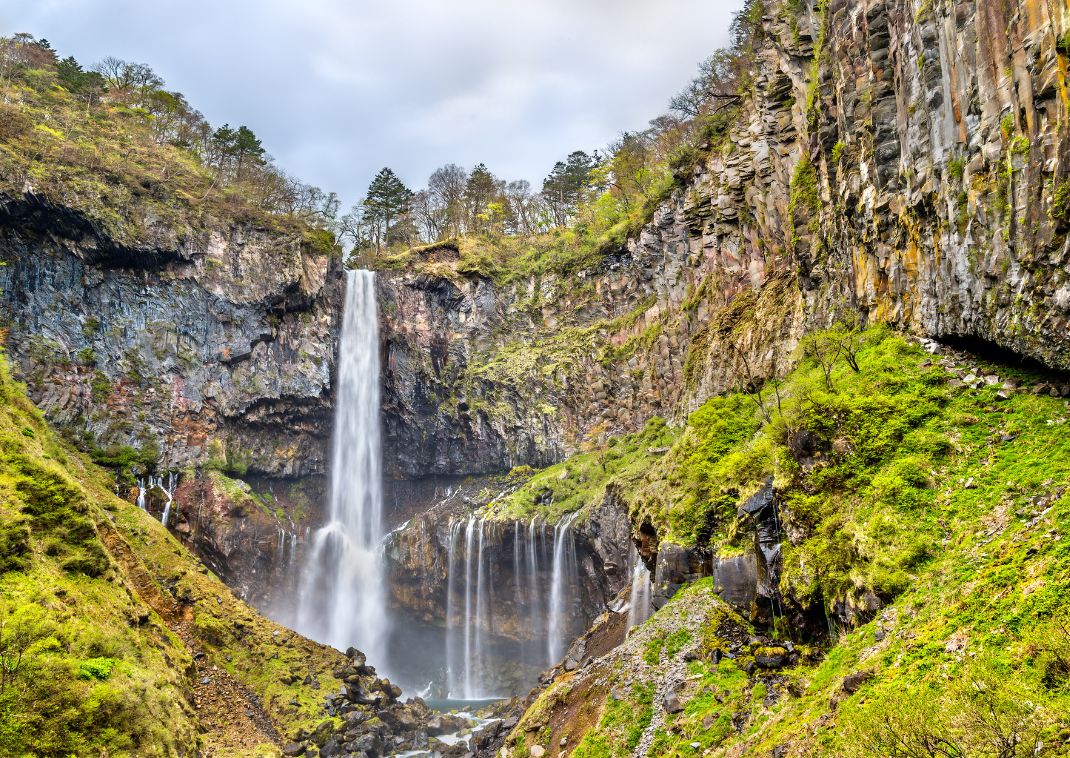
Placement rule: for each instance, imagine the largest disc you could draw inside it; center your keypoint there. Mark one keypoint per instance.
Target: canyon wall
(898, 161)
(209, 355)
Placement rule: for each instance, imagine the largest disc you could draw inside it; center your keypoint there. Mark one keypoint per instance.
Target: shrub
(96, 668)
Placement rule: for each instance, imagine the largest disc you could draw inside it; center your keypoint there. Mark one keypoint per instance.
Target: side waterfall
(341, 601)
(639, 608)
(564, 569)
(473, 581)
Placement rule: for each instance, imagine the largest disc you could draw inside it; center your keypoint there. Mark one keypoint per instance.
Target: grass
(947, 505)
(101, 672)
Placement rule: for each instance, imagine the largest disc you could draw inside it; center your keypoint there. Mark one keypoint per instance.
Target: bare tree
(446, 190)
(824, 348)
(429, 214)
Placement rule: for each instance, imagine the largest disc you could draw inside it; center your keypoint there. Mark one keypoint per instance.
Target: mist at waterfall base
(513, 599)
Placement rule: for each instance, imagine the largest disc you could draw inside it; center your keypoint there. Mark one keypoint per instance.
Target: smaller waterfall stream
(564, 570)
(169, 493)
(639, 606)
(541, 595)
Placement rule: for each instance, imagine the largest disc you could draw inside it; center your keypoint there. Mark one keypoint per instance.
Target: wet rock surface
(220, 346)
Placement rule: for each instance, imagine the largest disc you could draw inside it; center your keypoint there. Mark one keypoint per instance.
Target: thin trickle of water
(169, 494)
(639, 607)
(341, 600)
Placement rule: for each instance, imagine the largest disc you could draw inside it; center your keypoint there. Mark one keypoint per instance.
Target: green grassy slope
(104, 613)
(946, 504)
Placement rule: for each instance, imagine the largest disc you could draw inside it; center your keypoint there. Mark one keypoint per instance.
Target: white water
(564, 569)
(144, 486)
(470, 599)
(639, 608)
(341, 600)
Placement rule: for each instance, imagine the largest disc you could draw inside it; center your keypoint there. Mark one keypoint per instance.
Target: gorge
(764, 452)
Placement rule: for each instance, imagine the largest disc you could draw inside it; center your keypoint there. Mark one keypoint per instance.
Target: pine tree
(247, 147)
(223, 145)
(387, 199)
(482, 189)
(565, 186)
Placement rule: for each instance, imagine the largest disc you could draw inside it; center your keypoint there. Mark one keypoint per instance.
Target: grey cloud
(339, 88)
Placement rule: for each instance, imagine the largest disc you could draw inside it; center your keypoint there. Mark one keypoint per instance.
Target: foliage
(133, 158)
(89, 666)
(946, 503)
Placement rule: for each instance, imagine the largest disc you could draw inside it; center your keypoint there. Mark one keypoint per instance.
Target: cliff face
(188, 354)
(897, 162)
(187, 350)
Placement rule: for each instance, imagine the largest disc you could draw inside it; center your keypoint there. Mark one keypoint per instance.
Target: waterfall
(142, 491)
(169, 493)
(639, 607)
(468, 542)
(564, 570)
(341, 600)
(452, 664)
(536, 617)
(477, 570)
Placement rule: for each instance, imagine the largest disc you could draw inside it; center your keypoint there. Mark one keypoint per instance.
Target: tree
(566, 185)
(430, 214)
(352, 227)
(247, 148)
(222, 146)
(23, 52)
(387, 199)
(14, 640)
(522, 215)
(482, 189)
(128, 82)
(445, 191)
(87, 85)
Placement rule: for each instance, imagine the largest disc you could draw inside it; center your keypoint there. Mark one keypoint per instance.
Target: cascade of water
(482, 608)
(536, 618)
(471, 586)
(142, 491)
(469, 541)
(169, 493)
(452, 666)
(341, 600)
(639, 607)
(564, 571)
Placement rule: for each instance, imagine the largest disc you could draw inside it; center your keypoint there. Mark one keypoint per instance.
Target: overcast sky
(337, 89)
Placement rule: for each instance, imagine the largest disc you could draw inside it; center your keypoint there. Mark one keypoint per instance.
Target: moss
(1060, 200)
(85, 576)
(974, 587)
(804, 204)
(1062, 44)
(956, 168)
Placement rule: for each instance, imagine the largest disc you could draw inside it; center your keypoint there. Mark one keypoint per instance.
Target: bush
(96, 668)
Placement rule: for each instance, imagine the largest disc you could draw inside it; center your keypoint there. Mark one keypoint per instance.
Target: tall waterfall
(545, 609)
(342, 599)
